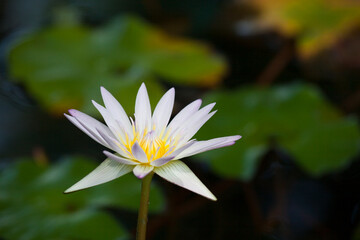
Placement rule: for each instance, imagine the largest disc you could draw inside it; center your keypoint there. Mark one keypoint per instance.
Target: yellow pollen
(154, 147)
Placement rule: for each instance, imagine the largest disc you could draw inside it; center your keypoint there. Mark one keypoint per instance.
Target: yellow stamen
(154, 146)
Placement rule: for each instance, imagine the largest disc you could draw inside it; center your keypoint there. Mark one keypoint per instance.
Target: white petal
(90, 124)
(193, 125)
(161, 161)
(119, 159)
(140, 171)
(179, 150)
(108, 170)
(139, 153)
(116, 110)
(193, 120)
(142, 110)
(184, 115)
(90, 134)
(163, 111)
(110, 122)
(113, 144)
(202, 146)
(178, 173)
(193, 129)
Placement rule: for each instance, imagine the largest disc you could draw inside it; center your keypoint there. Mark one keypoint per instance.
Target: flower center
(154, 145)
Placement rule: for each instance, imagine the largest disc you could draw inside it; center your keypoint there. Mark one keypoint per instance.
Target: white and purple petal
(116, 110)
(90, 125)
(139, 153)
(90, 134)
(203, 146)
(161, 161)
(90, 122)
(110, 122)
(119, 159)
(186, 113)
(113, 144)
(140, 171)
(192, 125)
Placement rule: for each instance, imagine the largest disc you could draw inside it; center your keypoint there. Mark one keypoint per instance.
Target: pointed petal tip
(142, 87)
(70, 118)
(229, 144)
(197, 103)
(95, 103)
(180, 174)
(171, 92)
(108, 170)
(75, 113)
(69, 190)
(208, 107)
(72, 111)
(106, 153)
(213, 198)
(234, 138)
(73, 190)
(104, 91)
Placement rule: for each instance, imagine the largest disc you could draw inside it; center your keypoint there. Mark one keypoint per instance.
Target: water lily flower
(148, 143)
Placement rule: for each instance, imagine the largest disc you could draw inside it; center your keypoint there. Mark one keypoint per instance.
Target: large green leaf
(64, 66)
(33, 206)
(316, 24)
(295, 117)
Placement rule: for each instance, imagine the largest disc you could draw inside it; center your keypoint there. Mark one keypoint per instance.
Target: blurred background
(285, 75)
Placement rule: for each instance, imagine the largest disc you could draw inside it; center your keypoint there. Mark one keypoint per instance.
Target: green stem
(143, 209)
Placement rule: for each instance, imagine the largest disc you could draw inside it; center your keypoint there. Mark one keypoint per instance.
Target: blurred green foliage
(316, 24)
(33, 206)
(64, 66)
(295, 117)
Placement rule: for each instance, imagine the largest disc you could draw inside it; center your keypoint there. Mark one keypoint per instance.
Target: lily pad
(64, 66)
(317, 24)
(295, 117)
(33, 206)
